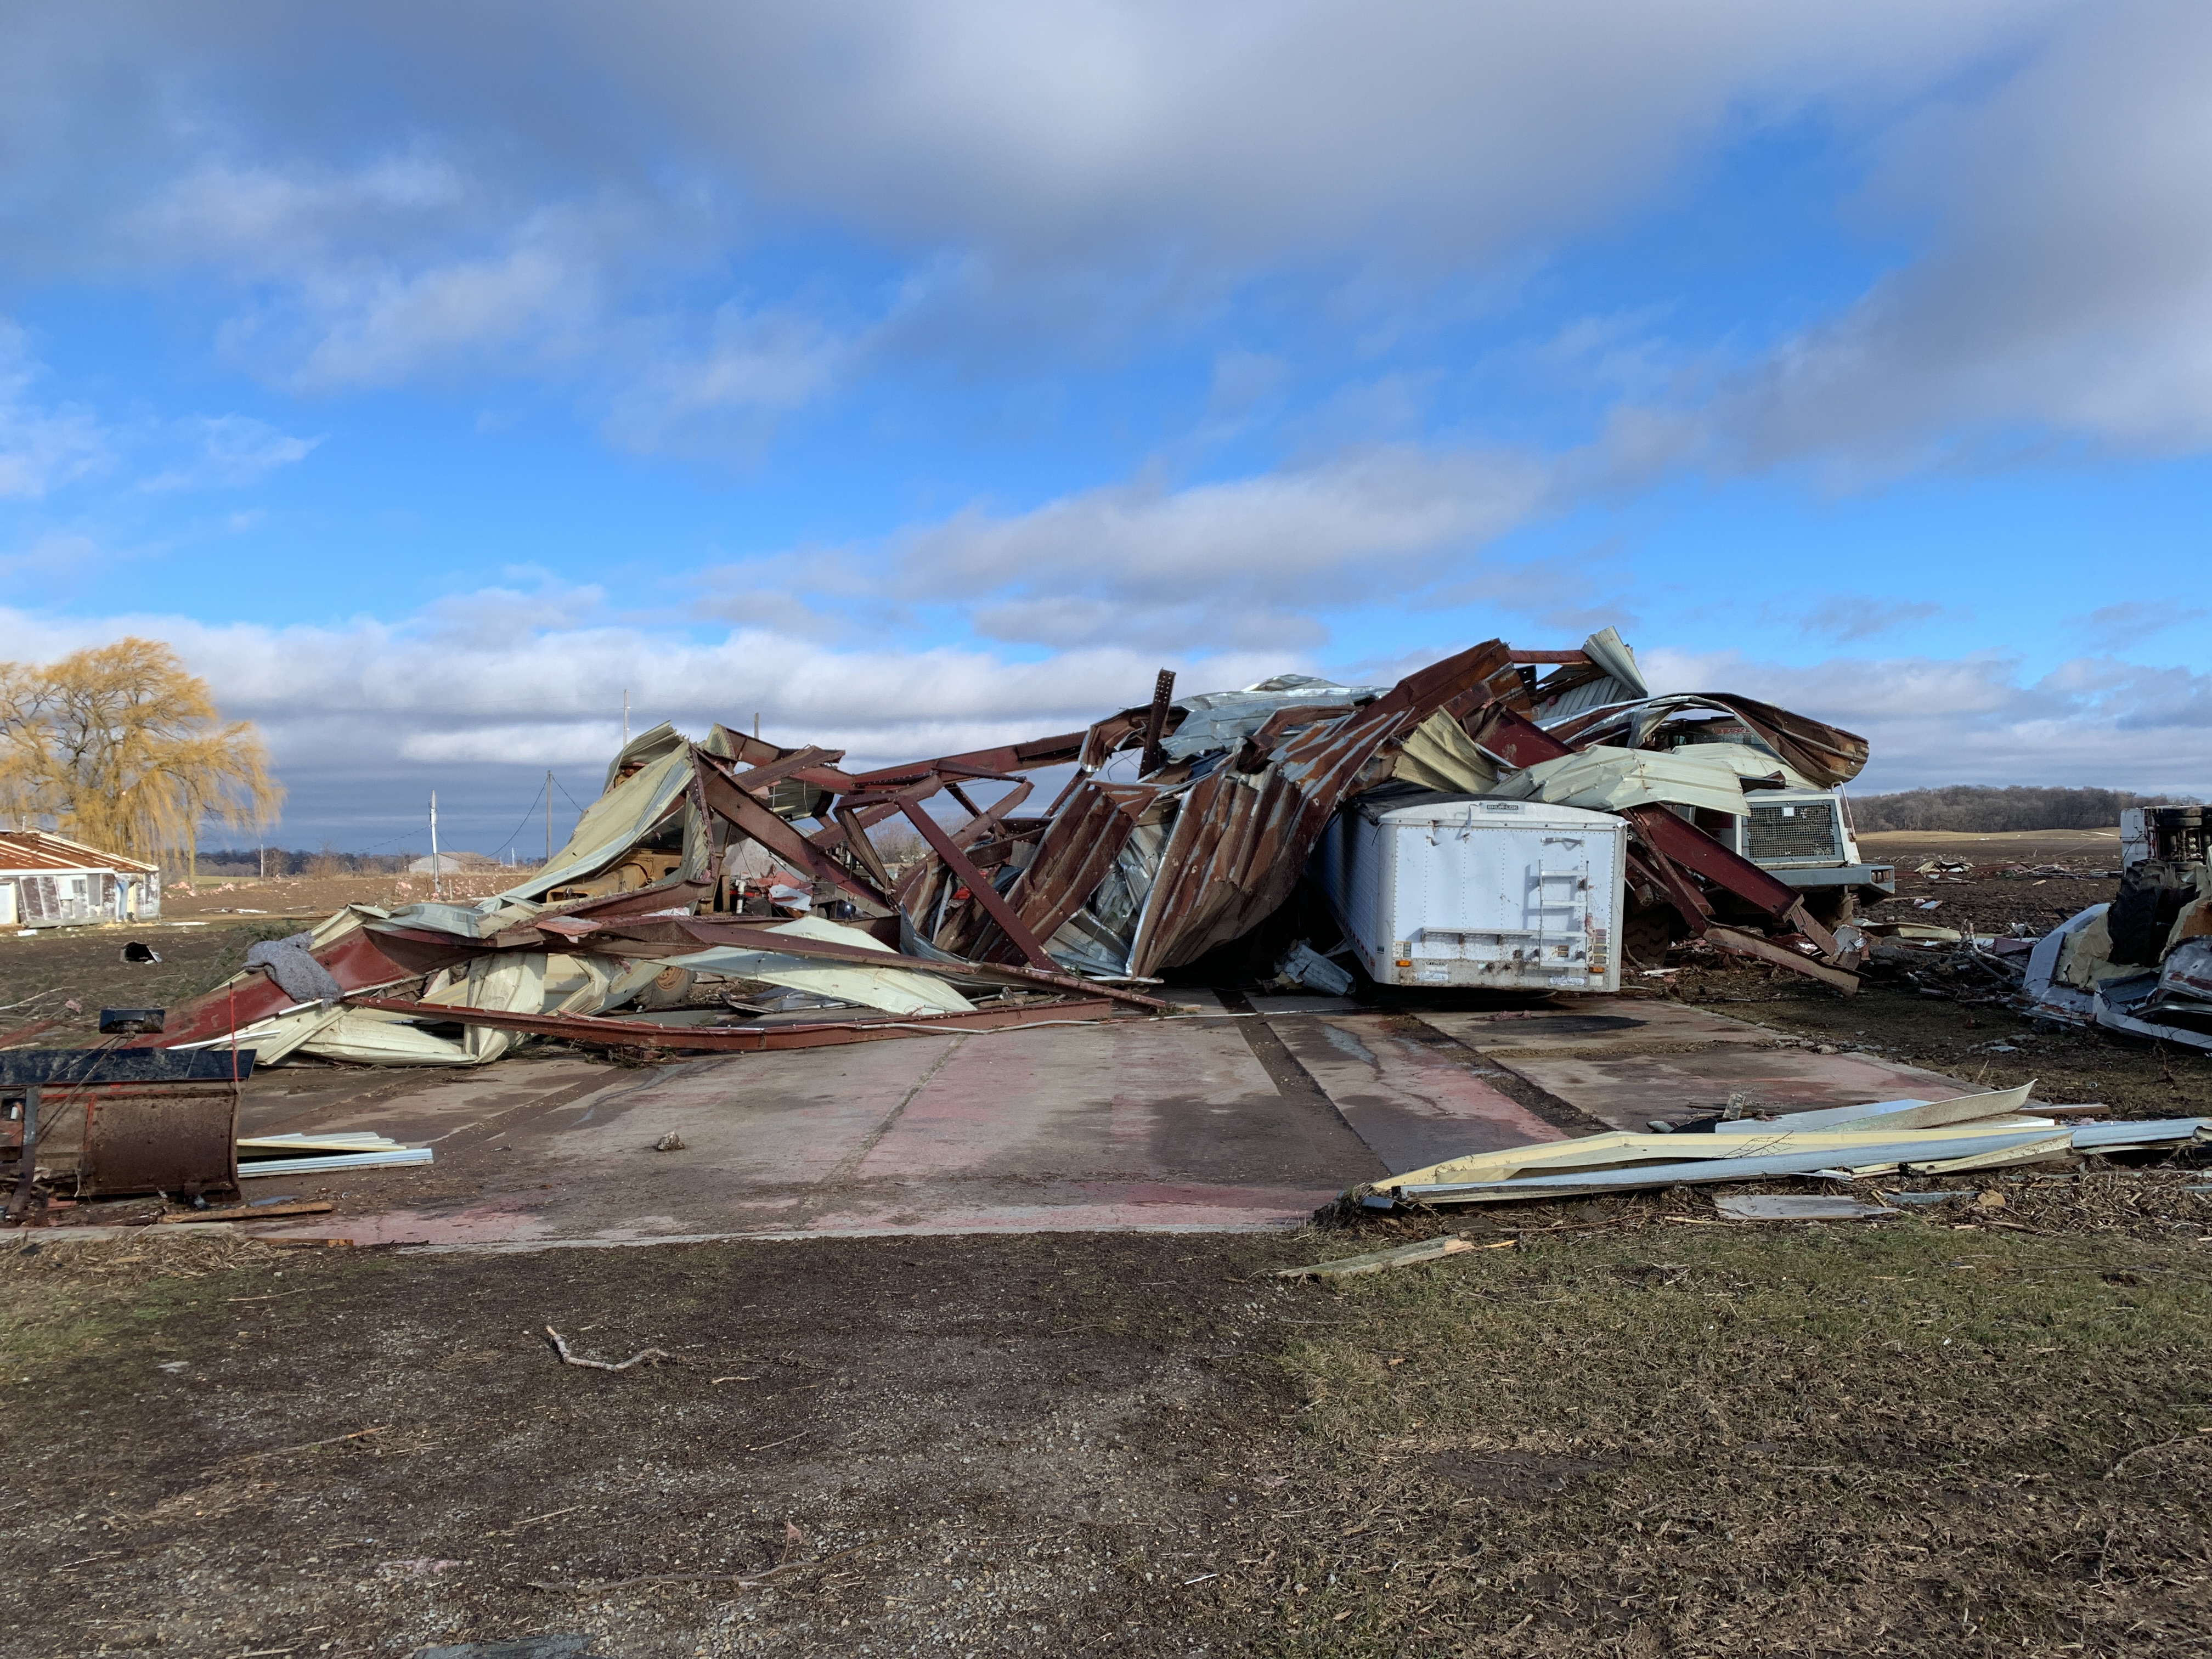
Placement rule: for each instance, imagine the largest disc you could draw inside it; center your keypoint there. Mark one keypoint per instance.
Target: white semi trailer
(1438, 890)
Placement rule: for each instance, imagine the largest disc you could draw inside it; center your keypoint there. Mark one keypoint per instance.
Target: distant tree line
(1980, 808)
(297, 861)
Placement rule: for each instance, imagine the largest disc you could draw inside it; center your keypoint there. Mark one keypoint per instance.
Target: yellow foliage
(118, 747)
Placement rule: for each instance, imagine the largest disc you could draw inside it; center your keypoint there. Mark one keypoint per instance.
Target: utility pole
(625, 717)
(548, 818)
(437, 886)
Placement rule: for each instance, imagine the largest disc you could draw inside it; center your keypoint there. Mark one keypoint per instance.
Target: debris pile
(725, 895)
(2142, 964)
(1991, 1130)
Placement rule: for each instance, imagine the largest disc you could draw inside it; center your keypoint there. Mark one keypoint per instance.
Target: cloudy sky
(915, 375)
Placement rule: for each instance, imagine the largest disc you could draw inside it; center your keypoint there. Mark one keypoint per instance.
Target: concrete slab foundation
(1216, 1120)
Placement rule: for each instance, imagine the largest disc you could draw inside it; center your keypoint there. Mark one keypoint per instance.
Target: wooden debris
(251, 1212)
(561, 1347)
(1375, 1262)
(1793, 1207)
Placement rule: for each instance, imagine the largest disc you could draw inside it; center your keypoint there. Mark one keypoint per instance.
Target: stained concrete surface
(1130, 1124)
(1411, 1102)
(1221, 1119)
(1596, 1024)
(1632, 1092)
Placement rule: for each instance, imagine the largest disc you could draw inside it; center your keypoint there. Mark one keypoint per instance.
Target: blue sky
(915, 376)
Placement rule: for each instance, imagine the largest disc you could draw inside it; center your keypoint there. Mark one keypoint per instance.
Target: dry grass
(60, 1302)
(1901, 1438)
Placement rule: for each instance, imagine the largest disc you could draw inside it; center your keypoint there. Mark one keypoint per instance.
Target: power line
(528, 813)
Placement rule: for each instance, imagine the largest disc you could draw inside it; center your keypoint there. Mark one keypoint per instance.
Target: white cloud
(1977, 719)
(2065, 280)
(1229, 130)
(1375, 521)
(46, 447)
(394, 190)
(1849, 618)
(1237, 564)
(42, 447)
(751, 363)
(227, 452)
(363, 718)
(2112, 628)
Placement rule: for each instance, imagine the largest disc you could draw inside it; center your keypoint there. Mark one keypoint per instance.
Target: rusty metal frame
(979, 886)
(727, 795)
(640, 1034)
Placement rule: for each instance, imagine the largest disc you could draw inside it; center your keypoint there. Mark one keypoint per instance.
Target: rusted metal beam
(980, 889)
(786, 843)
(831, 836)
(994, 815)
(1681, 892)
(1576, 657)
(811, 765)
(656, 937)
(357, 960)
(1519, 742)
(1156, 723)
(981, 763)
(857, 842)
(1514, 739)
(742, 1040)
(1667, 832)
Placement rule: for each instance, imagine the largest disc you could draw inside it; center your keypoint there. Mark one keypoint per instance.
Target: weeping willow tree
(119, 748)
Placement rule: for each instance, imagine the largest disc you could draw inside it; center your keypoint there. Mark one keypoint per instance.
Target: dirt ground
(1624, 1429)
(2091, 848)
(1628, 1431)
(41, 973)
(1978, 1037)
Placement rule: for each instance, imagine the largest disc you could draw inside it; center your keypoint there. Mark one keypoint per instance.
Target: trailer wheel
(1831, 907)
(1648, 930)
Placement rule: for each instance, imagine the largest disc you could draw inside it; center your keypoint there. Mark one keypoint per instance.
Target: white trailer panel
(1462, 890)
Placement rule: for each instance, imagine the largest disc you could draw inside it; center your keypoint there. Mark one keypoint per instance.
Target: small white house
(48, 881)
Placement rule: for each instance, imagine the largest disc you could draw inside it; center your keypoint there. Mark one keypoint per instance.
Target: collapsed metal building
(1183, 824)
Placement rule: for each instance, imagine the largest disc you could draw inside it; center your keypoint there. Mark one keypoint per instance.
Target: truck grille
(1808, 832)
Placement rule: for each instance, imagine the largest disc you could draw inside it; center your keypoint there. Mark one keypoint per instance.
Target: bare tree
(118, 747)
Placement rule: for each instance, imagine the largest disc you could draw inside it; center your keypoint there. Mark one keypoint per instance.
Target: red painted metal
(358, 959)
